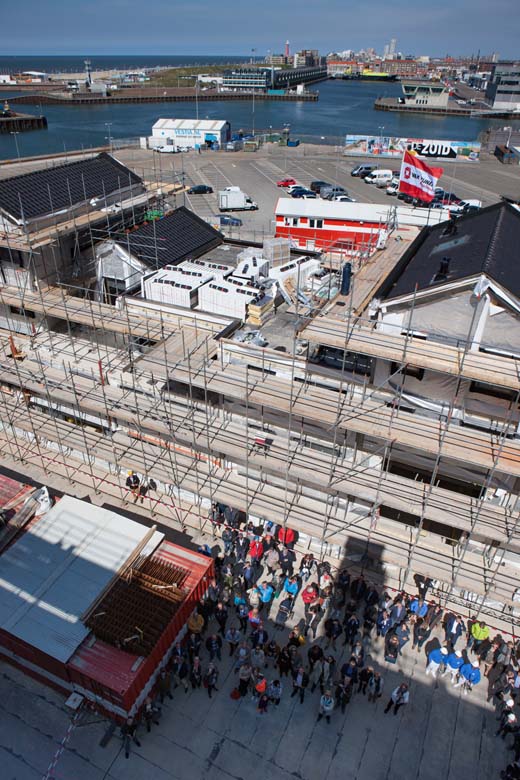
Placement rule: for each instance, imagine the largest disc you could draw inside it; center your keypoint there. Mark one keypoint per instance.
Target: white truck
(233, 199)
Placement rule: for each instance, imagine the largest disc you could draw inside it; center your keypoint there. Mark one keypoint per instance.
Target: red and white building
(330, 226)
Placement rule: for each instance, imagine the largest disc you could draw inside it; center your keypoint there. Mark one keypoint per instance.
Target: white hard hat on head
(476, 663)
(458, 653)
(444, 651)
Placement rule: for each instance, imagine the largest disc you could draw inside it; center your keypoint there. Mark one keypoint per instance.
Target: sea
(343, 107)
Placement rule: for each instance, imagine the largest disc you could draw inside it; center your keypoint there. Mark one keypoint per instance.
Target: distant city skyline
(165, 28)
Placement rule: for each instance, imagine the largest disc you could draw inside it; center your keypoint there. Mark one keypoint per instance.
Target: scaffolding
(189, 410)
(89, 390)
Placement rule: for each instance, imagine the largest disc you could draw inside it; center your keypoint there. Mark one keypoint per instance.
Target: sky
(163, 27)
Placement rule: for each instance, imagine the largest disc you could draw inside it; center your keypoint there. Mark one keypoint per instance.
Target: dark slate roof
(487, 242)
(52, 189)
(172, 239)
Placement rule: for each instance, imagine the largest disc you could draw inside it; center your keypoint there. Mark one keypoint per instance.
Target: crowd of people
(259, 587)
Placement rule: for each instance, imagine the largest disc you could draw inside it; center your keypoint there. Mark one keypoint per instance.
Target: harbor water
(343, 107)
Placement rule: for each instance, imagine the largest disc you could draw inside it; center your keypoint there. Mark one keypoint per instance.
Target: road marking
(273, 181)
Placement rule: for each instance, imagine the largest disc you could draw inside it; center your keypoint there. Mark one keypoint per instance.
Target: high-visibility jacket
(479, 632)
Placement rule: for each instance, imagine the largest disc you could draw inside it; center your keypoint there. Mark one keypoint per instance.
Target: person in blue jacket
(469, 675)
(291, 587)
(436, 659)
(418, 607)
(453, 664)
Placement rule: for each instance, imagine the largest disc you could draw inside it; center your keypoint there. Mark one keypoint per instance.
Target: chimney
(444, 269)
(444, 266)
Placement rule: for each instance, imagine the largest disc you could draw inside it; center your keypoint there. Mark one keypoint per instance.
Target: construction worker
(436, 659)
(133, 482)
(469, 675)
(479, 633)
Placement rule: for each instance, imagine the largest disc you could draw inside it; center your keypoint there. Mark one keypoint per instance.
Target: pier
(154, 95)
(21, 123)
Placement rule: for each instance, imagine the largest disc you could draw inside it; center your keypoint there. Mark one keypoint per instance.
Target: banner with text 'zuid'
(393, 147)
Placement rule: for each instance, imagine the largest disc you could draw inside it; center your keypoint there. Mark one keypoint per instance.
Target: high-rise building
(392, 48)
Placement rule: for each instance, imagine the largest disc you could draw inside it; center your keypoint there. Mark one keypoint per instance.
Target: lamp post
(254, 87)
(15, 133)
(108, 137)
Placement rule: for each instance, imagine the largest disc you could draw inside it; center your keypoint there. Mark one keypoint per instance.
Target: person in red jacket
(286, 536)
(310, 595)
(256, 550)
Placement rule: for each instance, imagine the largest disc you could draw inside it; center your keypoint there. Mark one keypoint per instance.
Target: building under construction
(381, 424)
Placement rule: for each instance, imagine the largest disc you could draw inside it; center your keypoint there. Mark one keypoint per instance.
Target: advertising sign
(394, 147)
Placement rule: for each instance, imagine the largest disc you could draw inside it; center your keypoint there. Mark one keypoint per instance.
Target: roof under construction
(179, 236)
(53, 573)
(481, 243)
(49, 190)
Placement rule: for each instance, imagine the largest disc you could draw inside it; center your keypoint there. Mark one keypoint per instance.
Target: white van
(380, 178)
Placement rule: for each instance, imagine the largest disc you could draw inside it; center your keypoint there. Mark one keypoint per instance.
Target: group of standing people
(258, 587)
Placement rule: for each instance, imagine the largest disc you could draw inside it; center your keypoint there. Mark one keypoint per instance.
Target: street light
(108, 137)
(15, 133)
(254, 86)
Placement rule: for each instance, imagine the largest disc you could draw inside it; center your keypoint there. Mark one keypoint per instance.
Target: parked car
(286, 183)
(227, 219)
(343, 199)
(183, 148)
(466, 206)
(392, 189)
(448, 199)
(380, 177)
(292, 187)
(362, 170)
(317, 185)
(166, 149)
(329, 193)
(200, 189)
(299, 193)
(308, 196)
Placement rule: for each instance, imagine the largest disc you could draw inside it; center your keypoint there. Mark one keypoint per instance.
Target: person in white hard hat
(508, 725)
(469, 675)
(453, 663)
(436, 659)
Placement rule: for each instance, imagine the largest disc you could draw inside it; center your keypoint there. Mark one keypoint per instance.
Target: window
(21, 312)
(291, 221)
(493, 392)
(408, 370)
(315, 223)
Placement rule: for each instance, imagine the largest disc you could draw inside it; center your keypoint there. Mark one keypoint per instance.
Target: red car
(285, 182)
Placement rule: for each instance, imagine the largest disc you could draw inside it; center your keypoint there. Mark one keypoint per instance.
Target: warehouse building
(190, 133)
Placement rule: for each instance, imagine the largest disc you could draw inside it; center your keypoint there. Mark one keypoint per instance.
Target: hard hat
(476, 663)
(458, 653)
(510, 703)
(129, 473)
(444, 651)
(511, 717)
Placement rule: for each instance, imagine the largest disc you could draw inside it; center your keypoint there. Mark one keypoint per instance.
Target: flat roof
(52, 574)
(189, 124)
(358, 212)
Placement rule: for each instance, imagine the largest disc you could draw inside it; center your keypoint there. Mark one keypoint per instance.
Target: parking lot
(257, 173)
